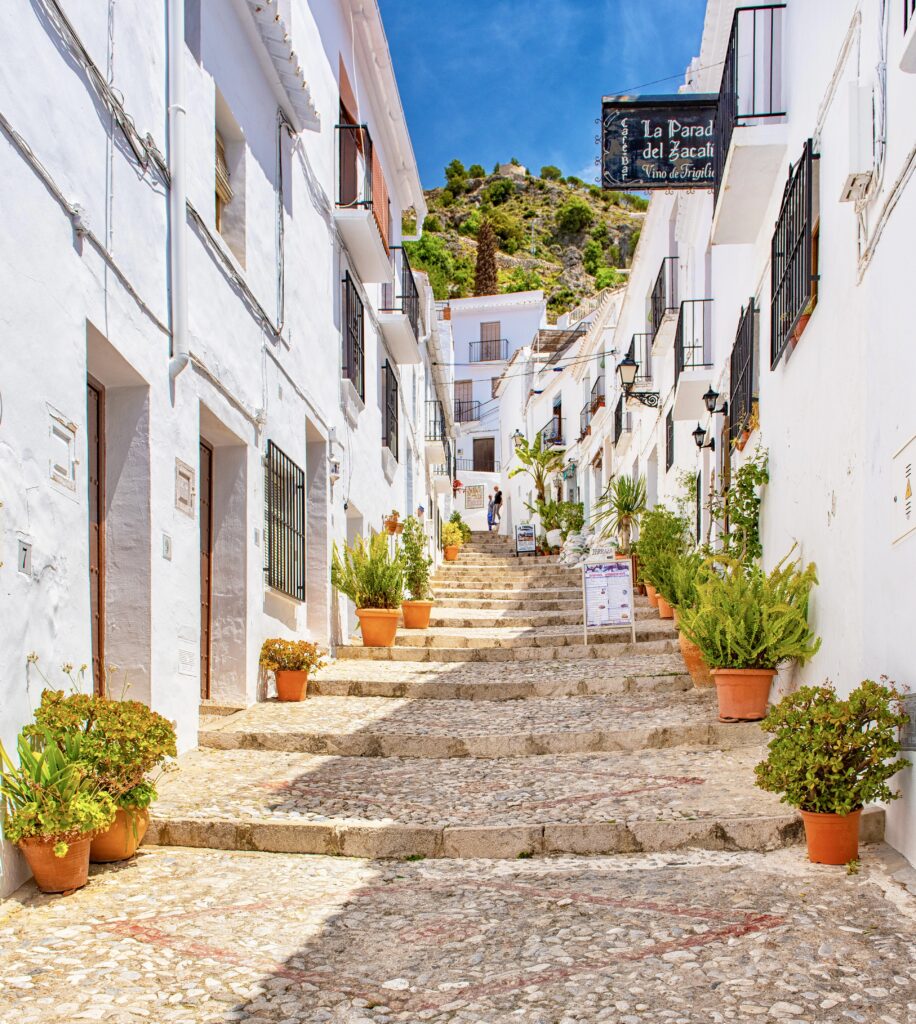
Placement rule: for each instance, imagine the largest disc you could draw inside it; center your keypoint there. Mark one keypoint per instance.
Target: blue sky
(486, 80)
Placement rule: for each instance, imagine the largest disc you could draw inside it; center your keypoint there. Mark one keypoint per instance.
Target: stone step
(617, 672)
(472, 593)
(510, 603)
(527, 635)
(653, 800)
(385, 727)
(470, 618)
(503, 655)
(561, 577)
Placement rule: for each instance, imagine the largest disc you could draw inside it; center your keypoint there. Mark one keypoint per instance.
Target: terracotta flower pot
(743, 693)
(416, 614)
(693, 659)
(665, 611)
(379, 626)
(57, 874)
(652, 594)
(832, 838)
(122, 837)
(451, 552)
(292, 684)
(677, 615)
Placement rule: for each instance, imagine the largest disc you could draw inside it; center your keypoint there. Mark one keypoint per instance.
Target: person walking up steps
(497, 508)
(490, 514)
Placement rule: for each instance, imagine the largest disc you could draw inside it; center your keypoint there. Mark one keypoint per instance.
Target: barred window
(389, 409)
(669, 440)
(793, 269)
(743, 389)
(284, 524)
(354, 366)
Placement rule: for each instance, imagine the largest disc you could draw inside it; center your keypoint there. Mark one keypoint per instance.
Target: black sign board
(658, 141)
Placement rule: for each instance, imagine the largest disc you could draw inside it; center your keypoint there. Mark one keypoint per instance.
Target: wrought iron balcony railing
(446, 468)
(743, 389)
(435, 420)
(490, 350)
(664, 294)
(597, 395)
(354, 170)
(468, 466)
(552, 432)
(623, 420)
(466, 410)
(640, 351)
(693, 341)
(585, 420)
(909, 14)
(751, 87)
(401, 295)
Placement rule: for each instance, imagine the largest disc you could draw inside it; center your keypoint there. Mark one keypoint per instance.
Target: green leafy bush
(452, 536)
(477, 171)
(572, 517)
(747, 618)
(432, 223)
(368, 573)
(551, 173)
(455, 518)
(521, 280)
(417, 562)
(278, 655)
(592, 256)
(51, 794)
(574, 215)
(743, 506)
(123, 741)
(683, 573)
(833, 756)
(608, 277)
(500, 190)
(662, 535)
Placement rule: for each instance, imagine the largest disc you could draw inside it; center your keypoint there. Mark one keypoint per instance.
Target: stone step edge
(695, 735)
(374, 841)
(519, 655)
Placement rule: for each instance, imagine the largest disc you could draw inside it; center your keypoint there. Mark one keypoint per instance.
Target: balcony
(692, 358)
(436, 437)
(466, 410)
(585, 421)
(908, 60)
(468, 466)
(361, 219)
(444, 473)
(399, 315)
(663, 305)
(493, 350)
(750, 141)
(623, 426)
(552, 433)
(640, 351)
(596, 400)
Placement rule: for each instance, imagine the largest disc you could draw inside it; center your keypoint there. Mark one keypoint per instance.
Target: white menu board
(607, 594)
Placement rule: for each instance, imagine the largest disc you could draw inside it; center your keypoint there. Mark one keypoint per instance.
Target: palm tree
(618, 509)
(538, 462)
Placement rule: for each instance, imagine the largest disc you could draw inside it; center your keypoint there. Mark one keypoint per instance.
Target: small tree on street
(485, 274)
(538, 462)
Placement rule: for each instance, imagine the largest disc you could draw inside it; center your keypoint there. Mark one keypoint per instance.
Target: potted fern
(291, 661)
(662, 535)
(830, 757)
(679, 579)
(451, 541)
(746, 623)
(53, 807)
(417, 563)
(372, 577)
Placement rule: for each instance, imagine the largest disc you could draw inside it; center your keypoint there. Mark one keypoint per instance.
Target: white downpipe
(178, 197)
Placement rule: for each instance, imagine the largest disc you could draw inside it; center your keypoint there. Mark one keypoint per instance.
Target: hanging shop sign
(607, 594)
(658, 141)
(524, 539)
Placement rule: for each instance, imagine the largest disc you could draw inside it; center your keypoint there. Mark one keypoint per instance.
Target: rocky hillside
(555, 233)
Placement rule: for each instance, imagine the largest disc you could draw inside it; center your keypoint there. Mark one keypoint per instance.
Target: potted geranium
(830, 757)
(53, 807)
(451, 541)
(746, 623)
(123, 743)
(291, 661)
(372, 577)
(392, 523)
(417, 563)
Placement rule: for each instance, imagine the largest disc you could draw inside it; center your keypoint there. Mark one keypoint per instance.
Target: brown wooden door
(206, 563)
(464, 394)
(484, 455)
(95, 419)
(490, 337)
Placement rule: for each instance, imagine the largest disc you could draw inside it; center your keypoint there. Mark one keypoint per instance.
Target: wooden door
(490, 339)
(484, 455)
(206, 563)
(95, 419)
(464, 395)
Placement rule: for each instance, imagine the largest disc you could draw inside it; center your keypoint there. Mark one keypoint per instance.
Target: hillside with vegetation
(552, 232)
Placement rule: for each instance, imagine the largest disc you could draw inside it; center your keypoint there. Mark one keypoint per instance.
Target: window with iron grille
(354, 366)
(284, 524)
(389, 409)
(618, 419)
(669, 440)
(793, 263)
(743, 389)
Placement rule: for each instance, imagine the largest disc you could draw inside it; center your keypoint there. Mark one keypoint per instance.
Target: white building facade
(217, 362)
(786, 292)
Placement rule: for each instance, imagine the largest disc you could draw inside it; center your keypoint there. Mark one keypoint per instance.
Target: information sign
(607, 595)
(524, 539)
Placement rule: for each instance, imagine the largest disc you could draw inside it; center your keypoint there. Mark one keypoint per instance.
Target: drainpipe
(178, 197)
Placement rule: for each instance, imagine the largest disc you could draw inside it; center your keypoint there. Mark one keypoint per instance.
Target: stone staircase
(495, 733)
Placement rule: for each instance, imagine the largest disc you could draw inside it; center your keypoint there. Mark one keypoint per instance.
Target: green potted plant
(746, 623)
(550, 514)
(291, 662)
(618, 510)
(662, 534)
(830, 757)
(451, 541)
(372, 577)
(538, 462)
(463, 527)
(572, 517)
(123, 743)
(417, 563)
(683, 574)
(52, 808)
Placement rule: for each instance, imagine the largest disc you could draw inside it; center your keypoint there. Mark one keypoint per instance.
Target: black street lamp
(699, 435)
(627, 369)
(710, 399)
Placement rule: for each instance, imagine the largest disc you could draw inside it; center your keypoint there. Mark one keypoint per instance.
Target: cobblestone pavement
(209, 937)
(391, 727)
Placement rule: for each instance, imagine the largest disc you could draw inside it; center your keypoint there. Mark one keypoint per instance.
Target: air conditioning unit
(861, 142)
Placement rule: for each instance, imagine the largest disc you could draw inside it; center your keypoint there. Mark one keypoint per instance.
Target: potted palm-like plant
(53, 807)
(123, 742)
(372, 577)
(662, 535)
(537, 461)
(451, 541)
(291, 662)
(830, 757)
(618, 510)
(417, 563)
(746, 623)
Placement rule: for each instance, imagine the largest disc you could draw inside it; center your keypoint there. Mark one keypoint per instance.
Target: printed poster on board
(608, 594)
